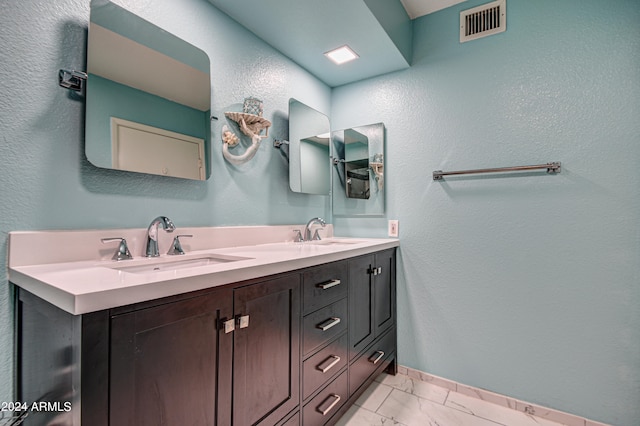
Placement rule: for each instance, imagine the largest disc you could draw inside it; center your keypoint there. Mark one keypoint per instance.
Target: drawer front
(371, 359)
(326, 403)
(324, 285)
(318, 369)
(325, 324)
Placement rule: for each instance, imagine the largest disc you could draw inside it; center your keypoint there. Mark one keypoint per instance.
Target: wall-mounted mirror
(358, 171)
(309, 157)
(147, 98)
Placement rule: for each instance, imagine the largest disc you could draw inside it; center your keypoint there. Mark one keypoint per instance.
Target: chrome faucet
(307, 229)
(152, 234)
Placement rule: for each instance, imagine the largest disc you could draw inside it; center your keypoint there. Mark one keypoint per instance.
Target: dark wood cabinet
(266, 351)
(164, 363)
(384, 292)
(371, 298)
(292, 349)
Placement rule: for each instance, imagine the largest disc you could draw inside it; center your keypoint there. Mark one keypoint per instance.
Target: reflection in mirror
(148, 97)
(309, 161)
(358, 173)
(356, 164)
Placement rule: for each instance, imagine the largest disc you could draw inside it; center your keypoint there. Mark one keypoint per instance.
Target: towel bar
(550, 167)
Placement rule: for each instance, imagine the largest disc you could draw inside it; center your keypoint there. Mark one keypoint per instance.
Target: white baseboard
(502, 400)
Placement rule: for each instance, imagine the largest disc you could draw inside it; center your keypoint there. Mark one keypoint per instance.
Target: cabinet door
(266, 357)
(361, 322)
(371, 298)
(164, 363)
(384, 297)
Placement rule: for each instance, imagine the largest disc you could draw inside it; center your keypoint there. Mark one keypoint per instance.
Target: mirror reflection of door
(148, 149)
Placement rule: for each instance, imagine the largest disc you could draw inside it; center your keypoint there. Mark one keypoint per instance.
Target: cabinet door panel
(266, 360)
(361, 326)
(164, 363)
(384, 291)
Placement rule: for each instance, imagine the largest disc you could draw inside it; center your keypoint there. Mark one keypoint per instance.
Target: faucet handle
(298, 238)
(123, 251)
(316, 236)
(176, 247)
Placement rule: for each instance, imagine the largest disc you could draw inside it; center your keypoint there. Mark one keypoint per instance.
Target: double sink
(187, 261)
(83, 277)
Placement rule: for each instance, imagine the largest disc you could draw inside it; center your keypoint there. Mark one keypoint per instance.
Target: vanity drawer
(318, 369)
(326, 403)
(372, 358)
(323, 325)
(324, 285)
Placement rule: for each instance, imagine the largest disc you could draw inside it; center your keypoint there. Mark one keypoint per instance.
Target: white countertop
(84, 286)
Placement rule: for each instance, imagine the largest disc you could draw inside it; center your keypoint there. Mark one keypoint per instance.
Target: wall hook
(283, 147)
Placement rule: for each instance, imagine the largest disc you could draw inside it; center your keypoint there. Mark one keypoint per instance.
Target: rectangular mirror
(148, 97)
(309, 156)
(358, 171)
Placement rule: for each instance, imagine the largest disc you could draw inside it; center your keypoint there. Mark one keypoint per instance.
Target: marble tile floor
(404, 401)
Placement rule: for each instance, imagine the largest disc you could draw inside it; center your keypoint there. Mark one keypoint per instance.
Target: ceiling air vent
(482, 21)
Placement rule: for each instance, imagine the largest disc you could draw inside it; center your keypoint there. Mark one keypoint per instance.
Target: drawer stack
(325, 342)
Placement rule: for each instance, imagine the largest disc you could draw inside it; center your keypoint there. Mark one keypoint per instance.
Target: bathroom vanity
(295, 344)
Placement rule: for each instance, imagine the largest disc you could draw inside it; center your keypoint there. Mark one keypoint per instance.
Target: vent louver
(482, 21)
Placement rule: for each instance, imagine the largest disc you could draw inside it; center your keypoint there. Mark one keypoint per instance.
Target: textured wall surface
(46, 181)
(529, 285)
(526, 286)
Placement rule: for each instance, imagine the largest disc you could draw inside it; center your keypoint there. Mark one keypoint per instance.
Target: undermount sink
(172, 265)
(334, 242)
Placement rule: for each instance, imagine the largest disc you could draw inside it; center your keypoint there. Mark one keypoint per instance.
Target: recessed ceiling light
(341, 55)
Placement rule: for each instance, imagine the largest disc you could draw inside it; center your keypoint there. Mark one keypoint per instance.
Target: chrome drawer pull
(336, 399)
(378, 358)
(336, 359)
(324, 326)
(328, 284)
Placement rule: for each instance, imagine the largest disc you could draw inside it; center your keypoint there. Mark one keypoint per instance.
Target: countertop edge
(78, 304)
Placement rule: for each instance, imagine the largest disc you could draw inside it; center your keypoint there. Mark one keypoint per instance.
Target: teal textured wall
(46, 181)
(527, 286)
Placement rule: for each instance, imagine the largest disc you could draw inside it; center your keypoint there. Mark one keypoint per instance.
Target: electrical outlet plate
(393, 228)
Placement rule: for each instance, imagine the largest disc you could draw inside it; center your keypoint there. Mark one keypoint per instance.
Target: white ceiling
(417, 8)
